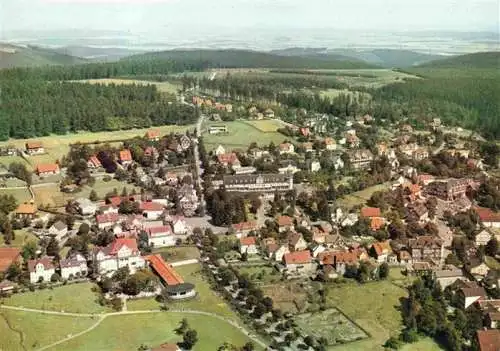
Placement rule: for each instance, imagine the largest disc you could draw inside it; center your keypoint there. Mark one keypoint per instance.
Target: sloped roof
(285, 221)
(47, 167)
(26, 209)
(164, 270)
(7, 256)
(489, 340)
(298, 257)
(249, 240)
(45, 261)
(125, 155)
(370, 212)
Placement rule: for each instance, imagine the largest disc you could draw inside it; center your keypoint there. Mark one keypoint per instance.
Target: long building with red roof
(174, 284)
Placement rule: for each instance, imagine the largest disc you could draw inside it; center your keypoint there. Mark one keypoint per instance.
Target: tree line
(35, 108)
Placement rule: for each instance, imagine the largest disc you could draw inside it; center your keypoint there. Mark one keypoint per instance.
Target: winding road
(103, 316)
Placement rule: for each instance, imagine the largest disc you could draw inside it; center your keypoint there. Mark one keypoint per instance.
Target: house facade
(120, 253)
(73, 267)
(41, 270)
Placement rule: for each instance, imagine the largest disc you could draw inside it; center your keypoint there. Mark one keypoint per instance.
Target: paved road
(103, 316)
(197, 159)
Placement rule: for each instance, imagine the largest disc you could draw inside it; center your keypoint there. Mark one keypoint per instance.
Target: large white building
(120, 253)
(263, 183)
(41, 270)
(161, 236)
(73, 267)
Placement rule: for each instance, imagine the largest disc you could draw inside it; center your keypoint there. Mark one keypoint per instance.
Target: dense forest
(250, 59)
(36, 107)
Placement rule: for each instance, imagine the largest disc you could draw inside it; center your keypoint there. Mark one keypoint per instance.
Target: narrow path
(19, 332)
(103, 316)
(92, 327)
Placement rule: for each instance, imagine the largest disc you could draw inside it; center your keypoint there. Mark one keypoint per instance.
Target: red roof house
(298, 257)
(125, 156)
(47, 169)
(488, 340)
(369, 212)
(8, 256)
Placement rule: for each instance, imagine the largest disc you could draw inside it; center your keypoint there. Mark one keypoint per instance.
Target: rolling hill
(252, 59)
(482, 60)
(31, 56)
(387, 58)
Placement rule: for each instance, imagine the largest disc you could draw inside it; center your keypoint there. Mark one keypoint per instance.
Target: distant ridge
(30, 56)
(233, 58)
(485, 60)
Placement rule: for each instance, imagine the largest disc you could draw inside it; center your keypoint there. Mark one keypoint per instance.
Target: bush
(106, 178)
(55, 278)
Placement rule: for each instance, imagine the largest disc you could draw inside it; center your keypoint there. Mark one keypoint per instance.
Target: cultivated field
(166, 87)
(289, 296)
(240, 135)
(49, 195)
(330, 324)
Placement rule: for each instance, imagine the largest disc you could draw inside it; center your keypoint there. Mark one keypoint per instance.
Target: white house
(338, 163)
(59, 230)
(122, 252)
(248, 245)
(41, 270)
(73, 267)
(286, 148)
(151, 210)
(86, 207)
(220, 150)
(179, 225)
(315, 166)
(161, 236)
(482, 238)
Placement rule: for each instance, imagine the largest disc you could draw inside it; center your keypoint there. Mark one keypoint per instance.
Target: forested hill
(249, 59)
(30, 56)
(483, 60)
(462, 91)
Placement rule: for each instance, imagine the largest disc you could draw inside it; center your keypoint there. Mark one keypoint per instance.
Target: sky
(157, 16)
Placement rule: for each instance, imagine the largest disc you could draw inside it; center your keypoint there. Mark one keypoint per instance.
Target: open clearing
(373, 306)
(57, 146)
(75, 298)
(287, 296)
(22, 237)
(331, 324)
(361, 197)
(165, 87)
(28, 331)
(260, 274)
(180, 253)
(128, 332)
(240, 135)
(21, 194)
(266, 125)
(102, 188)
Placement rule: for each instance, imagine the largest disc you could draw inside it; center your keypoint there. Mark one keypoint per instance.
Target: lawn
(373, 306)
(287, 296)
(7, 160)
(206, 299)
(260, 274)
(76, 298)
(21, 194)
(166, 87)
(330, 324)
(266, 125)
(50, 195)
(102, 188)
(240, 135)
(22, 237)
(174, 254)
(492, 262)
(424, 344)
(130, 331)
(37, 329)
(57, 146)
(361, 197)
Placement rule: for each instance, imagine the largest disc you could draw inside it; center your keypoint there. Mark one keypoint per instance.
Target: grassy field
(206, 299)
(28, 331)
(331, 324)
(57, 146)
(287, 296)
(260, 274)
(174, 254)
(21, 194)
(361, 197)
(373, 306)
(425, 344)
(102, 188)
(369, 78)
(49, 195)
(492, 262)
(7, 160)
(166, 87)
(129, 332)
(76, 298)
(333, 93)
(240, 135)
(22, 237)
(266, 125)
